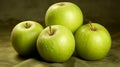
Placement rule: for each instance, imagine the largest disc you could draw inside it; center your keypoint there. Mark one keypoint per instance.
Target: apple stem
(92, 28)
(27, 25)
(51, 33)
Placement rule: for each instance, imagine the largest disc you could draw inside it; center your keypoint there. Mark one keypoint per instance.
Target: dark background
(105, 12)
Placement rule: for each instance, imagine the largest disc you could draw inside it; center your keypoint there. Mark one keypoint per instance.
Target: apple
(24, 36)
(56, 43)
(93, 41)
(64, 13)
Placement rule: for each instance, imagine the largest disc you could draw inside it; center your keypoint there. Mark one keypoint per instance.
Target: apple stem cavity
(61, 4)
(27, 25)
(92, 28)
(51, 32)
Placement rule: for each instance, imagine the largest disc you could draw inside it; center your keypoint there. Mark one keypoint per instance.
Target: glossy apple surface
(93, 41)
(64, 13)
(24, 36)
(57, 45)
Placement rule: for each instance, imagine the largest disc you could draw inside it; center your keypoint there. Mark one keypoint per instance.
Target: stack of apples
(63, 35)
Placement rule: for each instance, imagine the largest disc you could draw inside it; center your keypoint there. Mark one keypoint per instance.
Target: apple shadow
(35, 56)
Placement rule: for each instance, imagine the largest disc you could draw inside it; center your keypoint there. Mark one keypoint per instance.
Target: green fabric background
(105, 12)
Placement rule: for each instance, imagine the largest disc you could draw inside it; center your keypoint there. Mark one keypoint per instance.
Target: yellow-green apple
(56, 43)
(24, 36)
(93, 41)
(64, 13)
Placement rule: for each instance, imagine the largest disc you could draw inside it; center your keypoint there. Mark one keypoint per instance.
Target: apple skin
(64, 13)
(24, 36)
(57, 47)
(92, 44)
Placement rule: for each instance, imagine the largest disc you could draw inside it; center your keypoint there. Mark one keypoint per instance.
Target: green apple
(56, 43)
(24, 36)
(64, 13)
(93, 41)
